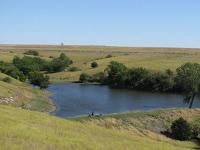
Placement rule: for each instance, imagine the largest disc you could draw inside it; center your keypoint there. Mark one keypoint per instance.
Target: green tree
(59, 64)
(28, 64)
(181, 129)
(188, 78)
(39, 79)
(137, 78)
(94, 64)
(85, 78)
(117, 74)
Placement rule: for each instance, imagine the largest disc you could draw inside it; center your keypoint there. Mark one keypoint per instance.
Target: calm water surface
(77, 99)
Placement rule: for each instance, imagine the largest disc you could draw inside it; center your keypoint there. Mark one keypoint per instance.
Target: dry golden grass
(157, 59)
(23, 129)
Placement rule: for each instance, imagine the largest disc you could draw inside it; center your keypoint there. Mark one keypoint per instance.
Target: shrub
(109, 56)
(32, 52)
(7, 79)
(28, 64)
(51, 56)
(85, 78)
(181, 130)
(12, 71)
(73, 69)
(99, 77)
(59, 64)
(116, 74)
(94, 64)
(196, 130)
(39, 79)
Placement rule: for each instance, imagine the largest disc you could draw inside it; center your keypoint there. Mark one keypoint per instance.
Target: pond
(79, 99)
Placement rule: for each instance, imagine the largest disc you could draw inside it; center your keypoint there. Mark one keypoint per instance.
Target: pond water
(78, 99)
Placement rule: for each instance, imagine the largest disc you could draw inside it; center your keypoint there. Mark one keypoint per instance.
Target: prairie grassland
(22, 129)
(157, 59)
(25, 95)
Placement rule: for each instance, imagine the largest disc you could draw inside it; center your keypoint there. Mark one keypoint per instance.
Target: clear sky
(149, 23)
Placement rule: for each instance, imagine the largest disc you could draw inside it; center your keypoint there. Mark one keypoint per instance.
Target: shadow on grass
(195, 140)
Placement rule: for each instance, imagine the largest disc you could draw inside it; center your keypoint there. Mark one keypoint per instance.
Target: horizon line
(97, 45)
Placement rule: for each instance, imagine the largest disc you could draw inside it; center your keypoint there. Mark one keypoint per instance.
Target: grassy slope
(25, 95)
(147, 124)
(151, 58)
(23, 129)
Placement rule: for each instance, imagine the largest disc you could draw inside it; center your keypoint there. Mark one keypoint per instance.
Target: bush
(73, 69)
(12, 71)
(28, 64)
(181, 130)
(6, 79)
(39, 79)
(116, 74)
(109, 56)
(99, 77)
(85, 78)
(94, 64)
(59, 64)
(196, 130)
(32, 52)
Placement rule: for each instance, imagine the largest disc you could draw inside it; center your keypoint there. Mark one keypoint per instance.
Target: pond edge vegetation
(186, 80)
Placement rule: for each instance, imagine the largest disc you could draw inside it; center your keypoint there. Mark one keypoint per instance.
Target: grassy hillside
(151, 58)
(22, 129)
(23, 95)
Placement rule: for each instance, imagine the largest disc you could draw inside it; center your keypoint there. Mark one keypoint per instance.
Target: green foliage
(73, 69)
(117, 74)
(109, 56)
(12, 71)
(32, 52)
(181, 130)
(188, 79)
(39, 79)
(59, 64)
(99, 77)
(139, 78)
(28, 64)
(196, 129)
(94, 65)
(85, 78)
(7, 79)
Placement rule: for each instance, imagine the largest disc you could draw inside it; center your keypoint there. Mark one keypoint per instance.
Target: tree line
(186, 79)
(33, 69)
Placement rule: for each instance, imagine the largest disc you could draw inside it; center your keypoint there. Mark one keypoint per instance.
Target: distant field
(157, 59)
(23, 129)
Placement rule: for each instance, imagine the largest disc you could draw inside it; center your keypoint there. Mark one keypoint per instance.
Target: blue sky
(149, 23)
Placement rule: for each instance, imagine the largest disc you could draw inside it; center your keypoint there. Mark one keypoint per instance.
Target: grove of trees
(34, 68)
(186, 79)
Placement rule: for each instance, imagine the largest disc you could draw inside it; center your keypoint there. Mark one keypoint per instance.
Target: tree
(59, 64)
(181, 129)
(188, 79)
(85, 78)
(39, 79)
(117, 74)
(94, 64)
(137, 78)
(28, 64)
(12, 71)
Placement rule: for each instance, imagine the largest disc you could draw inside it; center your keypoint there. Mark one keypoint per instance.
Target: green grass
(157, 59)
(22, 129)
(25, 95)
